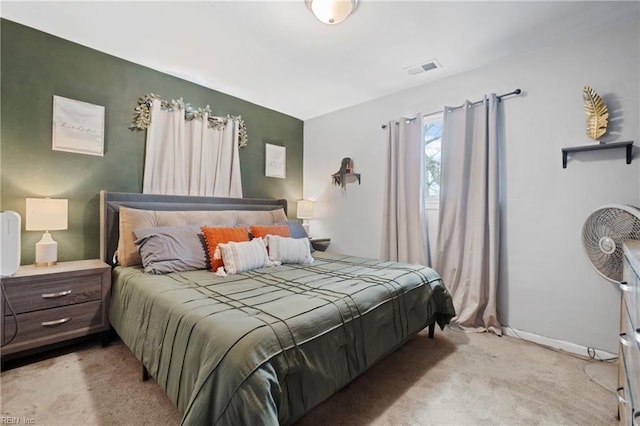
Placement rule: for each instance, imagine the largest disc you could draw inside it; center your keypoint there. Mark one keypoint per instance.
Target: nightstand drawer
(630, 362)
(51, 291)
(47, 323)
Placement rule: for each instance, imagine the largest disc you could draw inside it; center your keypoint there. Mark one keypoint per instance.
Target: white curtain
(404, 224)
(467, 248)
(189, 157)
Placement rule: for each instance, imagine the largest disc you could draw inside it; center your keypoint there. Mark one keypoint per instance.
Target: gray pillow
(295, 229)
(171, 249)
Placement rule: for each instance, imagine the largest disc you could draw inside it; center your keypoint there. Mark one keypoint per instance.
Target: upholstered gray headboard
(110, 203)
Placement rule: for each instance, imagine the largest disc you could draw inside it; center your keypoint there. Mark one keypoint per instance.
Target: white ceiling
(276, 54)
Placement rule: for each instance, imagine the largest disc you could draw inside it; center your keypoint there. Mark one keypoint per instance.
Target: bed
(266, 345)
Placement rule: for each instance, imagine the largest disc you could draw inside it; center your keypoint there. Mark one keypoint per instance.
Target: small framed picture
(275, 161)
(77, 127)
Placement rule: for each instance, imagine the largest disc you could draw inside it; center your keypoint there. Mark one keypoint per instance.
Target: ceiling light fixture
(331, 12)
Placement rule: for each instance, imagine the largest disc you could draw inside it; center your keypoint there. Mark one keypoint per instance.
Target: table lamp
(305, 212)
(46, 214)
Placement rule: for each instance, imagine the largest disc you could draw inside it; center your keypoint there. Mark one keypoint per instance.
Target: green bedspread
(263, 347)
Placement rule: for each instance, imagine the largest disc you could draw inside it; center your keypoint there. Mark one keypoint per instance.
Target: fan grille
(603, 234)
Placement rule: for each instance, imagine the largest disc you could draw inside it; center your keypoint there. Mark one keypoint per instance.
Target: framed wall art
(275, 161)
(77, 127)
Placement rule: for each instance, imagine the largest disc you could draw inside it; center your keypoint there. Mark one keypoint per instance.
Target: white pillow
(289, 250)
(244, 256)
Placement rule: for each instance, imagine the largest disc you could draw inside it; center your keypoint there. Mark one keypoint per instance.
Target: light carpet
(453, 379)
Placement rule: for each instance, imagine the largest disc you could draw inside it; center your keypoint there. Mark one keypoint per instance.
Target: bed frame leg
(432, 329)
(145, 373)
(105, 338)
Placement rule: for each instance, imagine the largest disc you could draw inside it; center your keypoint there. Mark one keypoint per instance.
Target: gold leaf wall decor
(597, 113)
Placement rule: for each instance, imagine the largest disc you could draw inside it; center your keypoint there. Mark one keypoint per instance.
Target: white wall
(547, 286)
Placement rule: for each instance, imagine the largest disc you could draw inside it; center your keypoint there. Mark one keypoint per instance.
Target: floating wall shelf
(628, 145)
(337, 179)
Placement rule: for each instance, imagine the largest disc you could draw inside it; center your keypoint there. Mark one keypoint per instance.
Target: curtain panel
(187, 157)
(404, 221)
(467, 246)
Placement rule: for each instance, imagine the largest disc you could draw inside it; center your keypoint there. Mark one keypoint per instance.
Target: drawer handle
(54, 295)
(624, 286)
(56, 322)
(620, 398)
(636, 416)
(624, 340)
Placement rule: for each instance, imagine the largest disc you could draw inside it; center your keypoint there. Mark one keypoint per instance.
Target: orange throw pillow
(261, 231)
(221, 235)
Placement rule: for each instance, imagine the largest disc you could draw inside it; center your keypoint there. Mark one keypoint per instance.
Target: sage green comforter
(263, 347)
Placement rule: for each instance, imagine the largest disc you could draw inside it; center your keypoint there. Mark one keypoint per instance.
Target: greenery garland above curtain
(142, 115)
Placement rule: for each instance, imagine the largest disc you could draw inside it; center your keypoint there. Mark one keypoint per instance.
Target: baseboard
(557, 344)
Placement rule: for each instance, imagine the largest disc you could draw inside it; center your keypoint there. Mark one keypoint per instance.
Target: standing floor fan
(603, 234)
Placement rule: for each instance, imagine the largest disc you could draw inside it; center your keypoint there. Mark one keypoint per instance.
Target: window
(432, 132)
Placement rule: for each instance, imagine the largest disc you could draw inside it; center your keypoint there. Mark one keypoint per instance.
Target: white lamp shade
(46, 214)
(331, 11)
(305, 209)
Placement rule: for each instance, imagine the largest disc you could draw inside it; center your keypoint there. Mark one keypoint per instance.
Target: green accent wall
(35, 66)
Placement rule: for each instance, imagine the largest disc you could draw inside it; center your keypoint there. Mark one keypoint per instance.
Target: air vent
(427, 66)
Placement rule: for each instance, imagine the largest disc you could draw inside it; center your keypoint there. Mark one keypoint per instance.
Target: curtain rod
(515, 92)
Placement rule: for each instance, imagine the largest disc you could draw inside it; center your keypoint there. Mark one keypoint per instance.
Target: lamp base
(45, 264)
(46, 251)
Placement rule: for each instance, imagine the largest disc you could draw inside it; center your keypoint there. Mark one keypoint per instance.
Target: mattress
(265, 346)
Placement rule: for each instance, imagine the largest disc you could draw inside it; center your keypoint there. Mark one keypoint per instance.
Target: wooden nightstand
(320, 244)
(54, 304)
